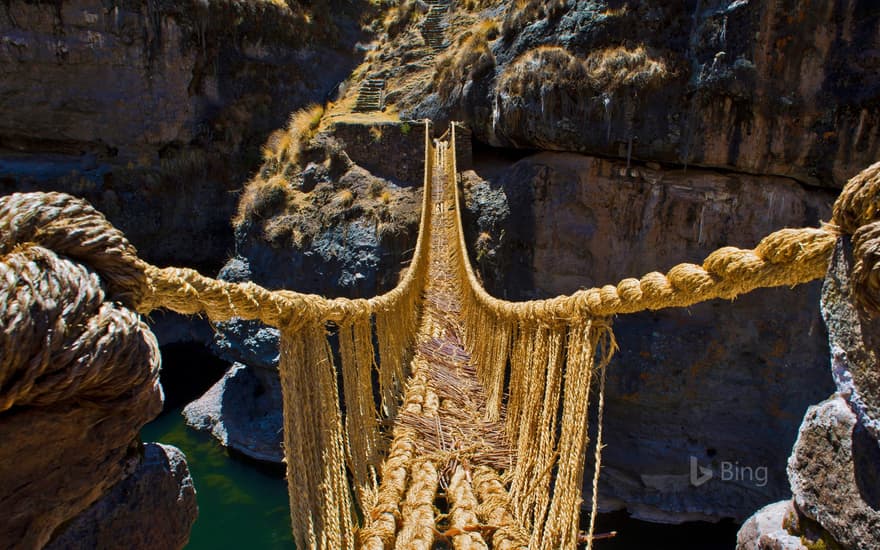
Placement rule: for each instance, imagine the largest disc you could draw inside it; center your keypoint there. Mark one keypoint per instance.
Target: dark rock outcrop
(58, 461)
(154, 507)
(695, 382)
(243, 412)
(347, 232)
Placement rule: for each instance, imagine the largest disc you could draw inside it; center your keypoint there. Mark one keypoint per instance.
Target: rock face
(766, 529)
(347, 232)
(154, 507)
(833, 467)
(834, 477)
(766, 88)
(56, 468)
(155, 111)
(243, 412)
(685, 383)
(855, 340)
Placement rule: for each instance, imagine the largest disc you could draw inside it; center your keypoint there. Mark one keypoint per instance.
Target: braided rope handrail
(786, 257)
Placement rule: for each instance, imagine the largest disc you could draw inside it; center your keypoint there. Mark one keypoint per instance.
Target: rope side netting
(432, 413)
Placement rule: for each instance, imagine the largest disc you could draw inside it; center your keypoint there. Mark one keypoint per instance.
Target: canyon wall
(155, 111)
(778, 88)
(723, 382)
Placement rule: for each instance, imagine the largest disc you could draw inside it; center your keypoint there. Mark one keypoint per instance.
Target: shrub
(343, 198)
(399, 18)
(285, 146)
(614, 68)
(525, 12)
(377, 187)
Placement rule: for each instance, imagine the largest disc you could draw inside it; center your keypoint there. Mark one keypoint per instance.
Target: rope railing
(70, 284)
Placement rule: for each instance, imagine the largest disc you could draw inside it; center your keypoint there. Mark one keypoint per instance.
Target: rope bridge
(434, 414)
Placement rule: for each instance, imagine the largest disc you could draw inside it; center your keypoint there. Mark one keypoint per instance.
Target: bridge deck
(440, 432)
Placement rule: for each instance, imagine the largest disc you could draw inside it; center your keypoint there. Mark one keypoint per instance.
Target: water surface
(240, 504)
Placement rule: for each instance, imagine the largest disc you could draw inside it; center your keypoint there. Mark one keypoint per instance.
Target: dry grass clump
(604, 71)
(270, 190)
(284, 146)
(524, 12)
(260, 199)
(614, 68)
(474, 5)
(468, 59)
(399, 17)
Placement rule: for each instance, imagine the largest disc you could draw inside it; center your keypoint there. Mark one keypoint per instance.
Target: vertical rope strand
(597, 459)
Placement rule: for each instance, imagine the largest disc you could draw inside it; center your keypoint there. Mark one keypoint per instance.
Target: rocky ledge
(159, 489)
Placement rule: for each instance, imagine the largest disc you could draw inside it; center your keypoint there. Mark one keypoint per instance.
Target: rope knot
(866, 271)
(72, 227)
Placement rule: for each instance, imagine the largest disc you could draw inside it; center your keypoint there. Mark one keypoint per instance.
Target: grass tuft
(469, 59)
(525, 12)
(604, 71)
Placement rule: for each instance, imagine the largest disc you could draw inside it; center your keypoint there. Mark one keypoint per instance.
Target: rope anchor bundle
(69, 282)
(71, 287)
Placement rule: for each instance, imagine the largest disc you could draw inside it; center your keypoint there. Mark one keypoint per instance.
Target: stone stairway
(371, 95)
(433, 29)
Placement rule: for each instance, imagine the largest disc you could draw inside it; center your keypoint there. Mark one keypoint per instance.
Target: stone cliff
(698, 382)
(780, 88)
(156, 110)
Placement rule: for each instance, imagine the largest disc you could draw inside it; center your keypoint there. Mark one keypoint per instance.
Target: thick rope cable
(72, 227)
(463, 513)
(60, 339)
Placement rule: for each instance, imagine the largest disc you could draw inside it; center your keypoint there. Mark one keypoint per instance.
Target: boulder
(59, 460)
(767, 529)
(855, 341)
(242, 414)
(834, 476)
(154, 507)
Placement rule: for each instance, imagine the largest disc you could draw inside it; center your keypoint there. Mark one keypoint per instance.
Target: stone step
(370, 95)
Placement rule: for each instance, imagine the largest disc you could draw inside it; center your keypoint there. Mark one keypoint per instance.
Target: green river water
(240, 506)
(243, 507)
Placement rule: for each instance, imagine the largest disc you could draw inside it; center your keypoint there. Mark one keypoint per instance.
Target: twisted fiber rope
(856, 213)
(463, 514)
(61, 341)
(859, 202)
(493, 510)
(186, 291)
(785, 258)
(73, 228)
(866, 271)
